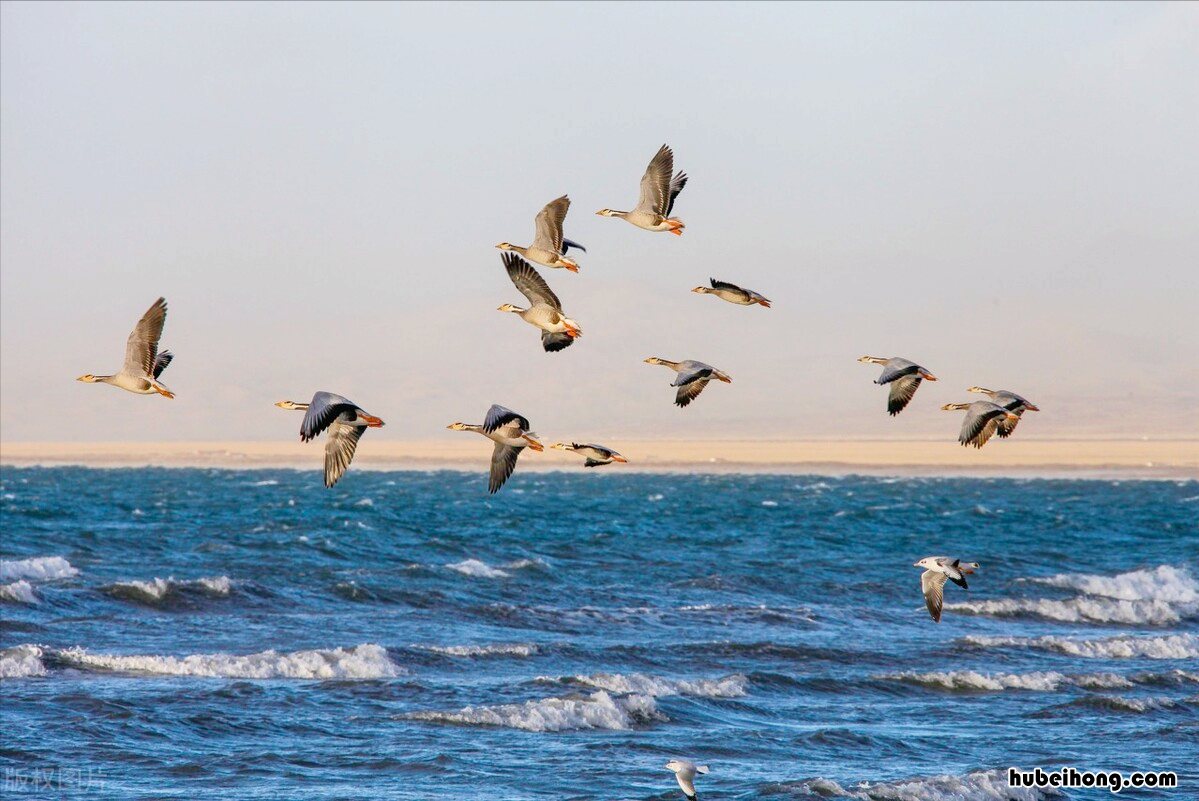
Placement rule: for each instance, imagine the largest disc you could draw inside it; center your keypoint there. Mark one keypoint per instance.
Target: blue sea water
(184, 633)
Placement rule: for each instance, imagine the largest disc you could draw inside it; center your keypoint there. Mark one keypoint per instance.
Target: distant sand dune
(1140, 458)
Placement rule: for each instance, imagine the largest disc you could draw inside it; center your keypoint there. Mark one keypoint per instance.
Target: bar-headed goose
(511, 434)
(658, 191)
(549, 247)
(143, 362)
(557, 330)
(903, 376)
(1014, 403)
(692, 377)
(346, 423)
(595, 454)
(732, 293)
(982, 420)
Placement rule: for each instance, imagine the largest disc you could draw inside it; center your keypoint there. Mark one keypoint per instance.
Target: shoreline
(1027, 458)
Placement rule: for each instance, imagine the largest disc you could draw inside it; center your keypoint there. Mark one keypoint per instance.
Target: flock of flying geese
(346, 422)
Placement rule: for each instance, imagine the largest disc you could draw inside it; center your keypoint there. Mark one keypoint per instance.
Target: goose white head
(508, 307)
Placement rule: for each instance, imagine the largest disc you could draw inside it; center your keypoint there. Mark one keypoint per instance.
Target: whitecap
(477, 569)
(20, 592)
(158, 589)
(1042, 681)
(42, 568)
(639, 683)
(1173, 646)
(270, 482)
(21, 662)
(364, 502)
(599, 710)
(1164, 583)
(367, 661)
(770, 503)
(988, 785)
(1076, 610)
(499, 649)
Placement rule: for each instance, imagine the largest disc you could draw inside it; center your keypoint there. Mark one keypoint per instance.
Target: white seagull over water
(932, 580)
(685, 772)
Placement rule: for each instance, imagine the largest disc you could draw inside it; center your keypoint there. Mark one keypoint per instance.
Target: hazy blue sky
(1005, 193)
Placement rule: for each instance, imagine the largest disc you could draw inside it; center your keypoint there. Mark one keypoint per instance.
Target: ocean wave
(21, 662)
(501, 649)
(1043, 681)
(477, 569)
(640, 684)
(42, 568)
(599, 710)
(986, 785)
(159, 590)
(1077, 610)
(20, 592)
(1173, 646)
(1116, 703)
(1164, 583)
(367, 661)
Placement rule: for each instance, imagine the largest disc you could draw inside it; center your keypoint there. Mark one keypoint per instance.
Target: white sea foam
(1164, 583)
(1173, 646)
(42, 568)
(364, 502)
(727, 687)
(502, 649)
(770, 503)
(1042, 681)
(990, 785)
(367, 661)
(599, 710)
(270, 482)
(20, 592)
(477, 569)
(156, 590)
(21, 662)
(1077, 610)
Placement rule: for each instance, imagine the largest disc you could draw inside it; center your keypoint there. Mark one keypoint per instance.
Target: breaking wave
(1174, 646)
(159, 591)
(640, 684)
(21, 662)
(599, 710)
(1164, 583)
(1043, 681)
(20, 592)
(988, 785)
(367, 661)
(512, 649)
(42, 568)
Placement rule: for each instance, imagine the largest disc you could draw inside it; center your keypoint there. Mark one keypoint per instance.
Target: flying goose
(932, 580)
(557, 330)
(511, 434)
(692, 377)
(982, 420)
(1014, 403)
(732, 293)
(595, 454)
(904, 377)
(549, 247)
(658, 191)
(346, 423)
(143, 363)
(685, 772)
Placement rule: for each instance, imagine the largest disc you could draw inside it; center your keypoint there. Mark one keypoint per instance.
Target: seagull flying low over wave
(143, 363)
(1014, 403)
(982, 420)
(596, 454)
(549, 247)
(685, 772)
(903, 376)
(692, 377)
(732, 293)
(346, 423)
(511, 434)
(658, 191)
(932, 580)
(557, 330)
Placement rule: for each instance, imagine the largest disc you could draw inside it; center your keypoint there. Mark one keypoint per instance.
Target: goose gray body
(143, 363)
(692, 377)
(343, 419)
(511, 434)
(981, 421)
(904, 377)
(658, 192)
(1014, 403)
(594, 455)
(545, 310)
(732, 293)
(549, 246)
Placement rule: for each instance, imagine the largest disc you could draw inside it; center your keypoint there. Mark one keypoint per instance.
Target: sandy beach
(1132, 458)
